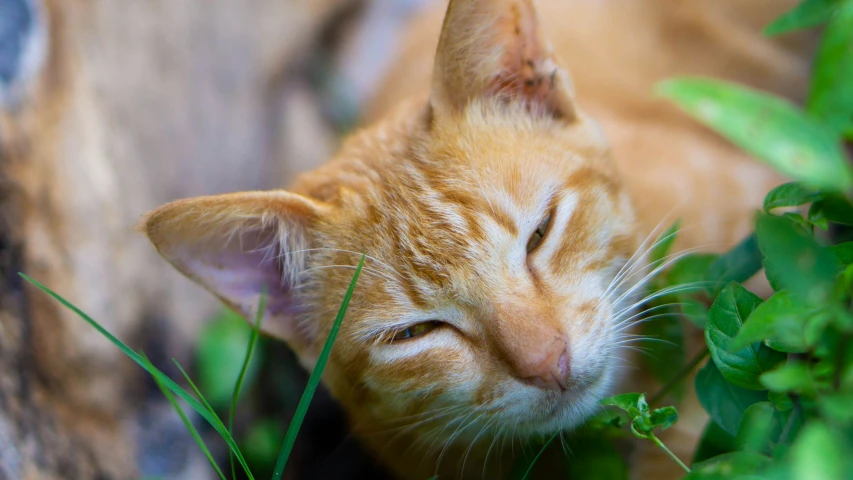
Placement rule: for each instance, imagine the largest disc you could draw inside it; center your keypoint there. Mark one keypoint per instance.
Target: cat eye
(416, 330)
(539, 234)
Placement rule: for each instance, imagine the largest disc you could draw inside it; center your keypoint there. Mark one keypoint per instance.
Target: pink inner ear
(238, 267)
(527, 71)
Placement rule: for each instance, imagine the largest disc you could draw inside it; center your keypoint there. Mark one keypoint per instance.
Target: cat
(504, 230)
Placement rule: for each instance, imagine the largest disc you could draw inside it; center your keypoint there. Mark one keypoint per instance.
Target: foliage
(779, 383)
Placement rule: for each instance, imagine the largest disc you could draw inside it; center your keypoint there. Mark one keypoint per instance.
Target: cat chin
(572, 408)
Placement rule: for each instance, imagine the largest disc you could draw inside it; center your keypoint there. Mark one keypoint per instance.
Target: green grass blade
(256, 328)
(194, 387)
(536, 458)
(187, 423)
(219, 422)
(314, 380)
(159, 376)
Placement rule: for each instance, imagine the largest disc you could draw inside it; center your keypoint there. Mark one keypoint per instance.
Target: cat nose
(548, 368)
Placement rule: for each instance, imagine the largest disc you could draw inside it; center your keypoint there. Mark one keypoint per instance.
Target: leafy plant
(779, 383)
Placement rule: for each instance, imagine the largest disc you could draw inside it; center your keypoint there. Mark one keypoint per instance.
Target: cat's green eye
(415, 330)
(539, 234)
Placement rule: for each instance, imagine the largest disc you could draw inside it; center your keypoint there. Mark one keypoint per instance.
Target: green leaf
(831, 96)
(790, 195)
(779, 322)
(760, 428)
(767, 127)
(737, 265)
(729, 466)
(836, 407)
(782, 401)
(834, 208)
(791, 377)
(844, 252)
(606, 420)
(817, 454)
(797, 262)
(714, 441)
(724, 402)
(642, 427)
(664, 243)
(221, 347)
(728, 313)
(314, 379)
(664, 417)
(633, 403)
(807, 14)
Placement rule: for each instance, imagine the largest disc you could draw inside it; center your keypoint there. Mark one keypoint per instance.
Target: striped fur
(442, 195)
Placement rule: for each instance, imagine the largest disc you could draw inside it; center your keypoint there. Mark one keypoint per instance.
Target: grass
(171, 389)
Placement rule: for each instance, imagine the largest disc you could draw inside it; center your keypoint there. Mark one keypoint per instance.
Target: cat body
(503, 227)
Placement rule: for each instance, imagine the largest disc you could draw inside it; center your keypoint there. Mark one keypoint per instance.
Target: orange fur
(443, 194)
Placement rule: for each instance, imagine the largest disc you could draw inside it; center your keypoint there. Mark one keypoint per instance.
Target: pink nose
(546, 368)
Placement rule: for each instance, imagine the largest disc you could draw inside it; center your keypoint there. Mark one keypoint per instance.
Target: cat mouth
(572, 407)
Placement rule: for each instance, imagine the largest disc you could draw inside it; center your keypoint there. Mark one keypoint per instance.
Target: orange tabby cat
(503, 236)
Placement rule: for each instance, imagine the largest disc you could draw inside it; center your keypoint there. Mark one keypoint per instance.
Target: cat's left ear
(494, 49)
(236, 245)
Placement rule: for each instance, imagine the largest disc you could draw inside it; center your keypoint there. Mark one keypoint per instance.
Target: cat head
(494, 228)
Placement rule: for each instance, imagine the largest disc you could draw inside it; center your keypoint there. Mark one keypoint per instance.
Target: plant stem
(680, 376)
(536, 458)
(660, 444)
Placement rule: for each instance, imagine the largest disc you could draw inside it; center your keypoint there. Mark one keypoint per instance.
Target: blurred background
(108, 109)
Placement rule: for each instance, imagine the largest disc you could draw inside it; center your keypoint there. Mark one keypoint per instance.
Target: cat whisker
(474, 441)
(352, 267)
(660, 293)
(431, 416)
(369, 257)
(633, 324)
(456, 433)
(654, 272)
(461, 422)
(662, 264)
(647, 339)
(495, 441)
(437, 433)
(629, 309)
(407, 428)
(640, 248)
(628, 324)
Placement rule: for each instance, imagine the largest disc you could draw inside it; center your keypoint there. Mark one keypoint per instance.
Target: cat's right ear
(495, 50)
(236, 245)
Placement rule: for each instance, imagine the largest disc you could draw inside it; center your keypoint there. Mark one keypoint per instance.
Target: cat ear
(495, 49)
(236, 245)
